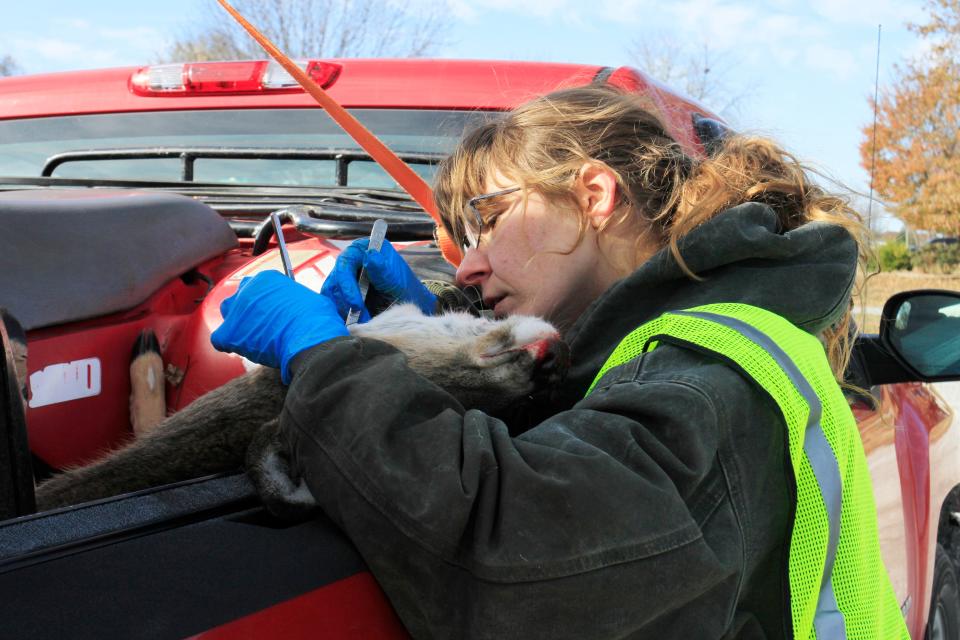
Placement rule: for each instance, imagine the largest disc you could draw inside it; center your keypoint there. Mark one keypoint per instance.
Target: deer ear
(596, 189)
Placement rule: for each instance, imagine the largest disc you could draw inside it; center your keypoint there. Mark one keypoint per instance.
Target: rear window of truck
(28, 145)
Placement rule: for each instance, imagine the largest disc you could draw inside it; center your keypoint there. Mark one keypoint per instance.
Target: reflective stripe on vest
(835, 508)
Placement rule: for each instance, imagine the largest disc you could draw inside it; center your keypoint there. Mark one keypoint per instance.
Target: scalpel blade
(377, 235)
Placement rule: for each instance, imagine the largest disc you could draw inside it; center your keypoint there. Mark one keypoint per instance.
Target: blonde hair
(661, 189)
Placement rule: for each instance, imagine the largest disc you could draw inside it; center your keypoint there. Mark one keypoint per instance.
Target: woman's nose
(474, 269)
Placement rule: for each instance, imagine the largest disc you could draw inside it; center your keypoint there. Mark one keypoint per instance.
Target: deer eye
(498, 341)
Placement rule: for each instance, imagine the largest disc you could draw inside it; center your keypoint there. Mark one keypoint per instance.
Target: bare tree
(695, 69)
(318, 28)
(9, 66)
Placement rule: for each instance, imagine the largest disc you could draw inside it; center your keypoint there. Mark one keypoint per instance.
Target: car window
(26, 145)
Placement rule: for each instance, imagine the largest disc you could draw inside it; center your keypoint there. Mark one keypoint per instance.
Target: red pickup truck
(136, 198)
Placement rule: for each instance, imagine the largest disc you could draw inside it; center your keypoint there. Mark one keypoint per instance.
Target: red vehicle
(135, 199)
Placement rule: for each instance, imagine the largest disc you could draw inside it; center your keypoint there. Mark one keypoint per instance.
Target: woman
(654, 501)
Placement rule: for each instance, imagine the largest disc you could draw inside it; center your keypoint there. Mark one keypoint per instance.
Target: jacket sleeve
(578, 527)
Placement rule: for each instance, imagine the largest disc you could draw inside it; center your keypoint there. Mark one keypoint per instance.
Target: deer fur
(486, 364)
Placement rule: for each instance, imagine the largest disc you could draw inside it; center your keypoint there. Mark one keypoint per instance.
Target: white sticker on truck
(65, 381)
(311, 279)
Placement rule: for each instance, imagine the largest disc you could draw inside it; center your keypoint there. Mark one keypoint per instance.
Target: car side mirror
(921, 329)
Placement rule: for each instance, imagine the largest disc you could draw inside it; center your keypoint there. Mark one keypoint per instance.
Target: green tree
(918, 129)
(317, 29)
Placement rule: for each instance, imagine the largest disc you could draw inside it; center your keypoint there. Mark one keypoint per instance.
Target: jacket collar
(805, 275)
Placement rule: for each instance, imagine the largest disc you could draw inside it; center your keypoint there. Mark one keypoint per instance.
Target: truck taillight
(219, 78)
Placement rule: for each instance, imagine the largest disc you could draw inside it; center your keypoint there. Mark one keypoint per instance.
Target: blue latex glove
(271, 318)
(388, 273)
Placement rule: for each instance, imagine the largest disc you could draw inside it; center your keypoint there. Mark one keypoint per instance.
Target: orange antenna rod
(412, 183)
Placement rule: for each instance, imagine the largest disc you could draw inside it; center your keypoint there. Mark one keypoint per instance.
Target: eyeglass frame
(474, 242)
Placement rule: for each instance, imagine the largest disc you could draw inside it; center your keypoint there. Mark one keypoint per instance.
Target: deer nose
(551, 358)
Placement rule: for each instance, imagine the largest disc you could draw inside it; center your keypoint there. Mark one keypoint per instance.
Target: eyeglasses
(476, 204)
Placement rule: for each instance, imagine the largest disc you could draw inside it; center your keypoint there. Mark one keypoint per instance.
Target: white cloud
(463, 10)
(633, 12)
(70, 42)
(824, 37)
(781, 38)
(783, 5)
(789, 35)
(888, 12)
(135, 35)
(596, 16)
(839, 62)
(560, 10)
(52, 48)
(781, 32)
(73, 23)
(62, 52)
(917, 51)
(725, 22)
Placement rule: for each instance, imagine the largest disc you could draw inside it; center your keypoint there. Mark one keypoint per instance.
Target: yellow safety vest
(839, 587)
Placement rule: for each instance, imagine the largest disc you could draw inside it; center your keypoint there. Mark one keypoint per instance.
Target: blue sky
(806, 68)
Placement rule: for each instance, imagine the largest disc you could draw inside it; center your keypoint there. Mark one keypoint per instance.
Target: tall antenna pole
(873, 163)
(873, 151)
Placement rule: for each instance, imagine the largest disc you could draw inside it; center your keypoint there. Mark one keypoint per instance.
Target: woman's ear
(595, 188)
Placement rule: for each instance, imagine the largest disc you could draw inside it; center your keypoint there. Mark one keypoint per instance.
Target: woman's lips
(495, 303)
